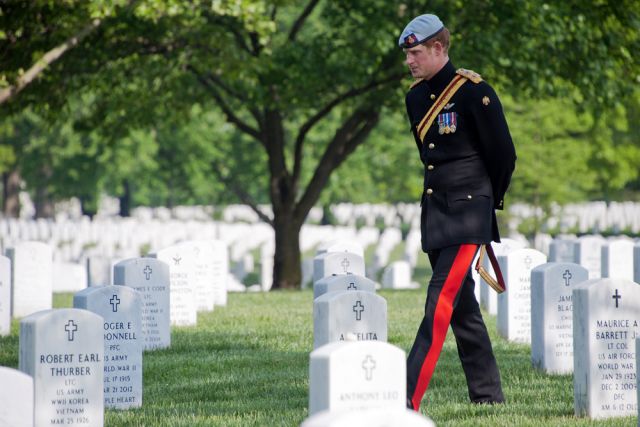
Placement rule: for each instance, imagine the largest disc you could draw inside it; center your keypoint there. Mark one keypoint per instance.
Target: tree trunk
(287, 273)
(43, 204)
(125, 199)
(11, 193)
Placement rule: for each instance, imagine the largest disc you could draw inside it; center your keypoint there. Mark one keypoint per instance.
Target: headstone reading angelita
(356, 376)
(120, 308)
(514, 305)
(5, 295)
(16, 397)
(343, 282)
(31, 278)
(552, 285)
(63, 351)
(606, 321)
(182, 287)
(338, 316)
(150, 277)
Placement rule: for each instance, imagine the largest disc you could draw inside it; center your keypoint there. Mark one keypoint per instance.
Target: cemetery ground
(247, 365)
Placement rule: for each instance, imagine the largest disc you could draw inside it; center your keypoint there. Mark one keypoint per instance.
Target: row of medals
(444, 127)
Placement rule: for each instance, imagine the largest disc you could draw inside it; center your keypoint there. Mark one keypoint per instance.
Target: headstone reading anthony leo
(356, 376)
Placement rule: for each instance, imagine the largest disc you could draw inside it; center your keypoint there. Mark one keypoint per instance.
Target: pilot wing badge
(446, 107)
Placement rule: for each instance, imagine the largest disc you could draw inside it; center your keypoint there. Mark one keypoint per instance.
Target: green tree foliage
(300, 88)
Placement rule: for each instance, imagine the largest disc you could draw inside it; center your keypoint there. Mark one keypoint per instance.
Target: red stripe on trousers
(442, 318)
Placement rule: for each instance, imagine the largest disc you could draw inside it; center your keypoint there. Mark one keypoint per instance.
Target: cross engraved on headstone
(616, 297)
(147, 272)
(527, 262)
(114, 301)
(358, 309)
(352, 287)
(71, 328)
(567, 277)
(368, 364)
(177, 259)
(345, 264)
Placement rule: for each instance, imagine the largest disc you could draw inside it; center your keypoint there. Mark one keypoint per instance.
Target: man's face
(422, 61)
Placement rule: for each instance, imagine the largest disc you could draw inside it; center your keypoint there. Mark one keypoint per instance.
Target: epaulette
(415, 83)
(471, 75)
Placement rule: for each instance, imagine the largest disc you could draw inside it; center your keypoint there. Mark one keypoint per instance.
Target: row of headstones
(356, 378)
(615, 258)
(585, 217)
(574, 325)
(193, 273)
(75, 362)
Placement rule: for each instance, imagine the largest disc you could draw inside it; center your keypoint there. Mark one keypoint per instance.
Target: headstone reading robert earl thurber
(63, 351)
(119, 306)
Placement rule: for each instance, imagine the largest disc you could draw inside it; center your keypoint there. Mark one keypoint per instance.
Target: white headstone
(617, 259)
(552, 315)
(341, 245)
(356, 376)
(330, 263)
(397, 275)
(31, 274)
(376, 417)
(69, 277)
(606, 319)
(203, 273)
(181, 261)
(150, 277)
(120, 307)
(16, 395)
(638, 376)
(98, 270)
(220, 272)
(343, 282)
(337, 316)
(636, 263)
(562, 250)
(514, 304)
(63, 351)
(488, 297)
(588, 253)
(5, 296)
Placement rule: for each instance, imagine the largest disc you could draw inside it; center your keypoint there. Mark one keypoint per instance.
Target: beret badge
(410, 39)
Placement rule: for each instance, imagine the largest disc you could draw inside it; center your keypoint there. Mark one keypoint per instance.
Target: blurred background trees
(295, 104)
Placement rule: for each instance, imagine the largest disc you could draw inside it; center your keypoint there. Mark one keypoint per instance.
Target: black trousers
(451, 301)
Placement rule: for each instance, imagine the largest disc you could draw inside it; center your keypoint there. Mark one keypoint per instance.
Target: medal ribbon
(442, 100)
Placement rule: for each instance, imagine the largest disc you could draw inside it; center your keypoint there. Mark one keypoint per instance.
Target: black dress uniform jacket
(467, 172)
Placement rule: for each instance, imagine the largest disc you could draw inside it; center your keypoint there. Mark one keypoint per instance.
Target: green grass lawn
(247, 365)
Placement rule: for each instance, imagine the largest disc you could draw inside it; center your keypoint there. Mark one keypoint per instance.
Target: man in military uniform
(464, 143)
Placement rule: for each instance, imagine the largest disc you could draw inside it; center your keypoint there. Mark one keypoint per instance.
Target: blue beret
(420, 30)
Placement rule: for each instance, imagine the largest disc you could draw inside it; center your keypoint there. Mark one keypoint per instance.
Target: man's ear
(438, 48)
